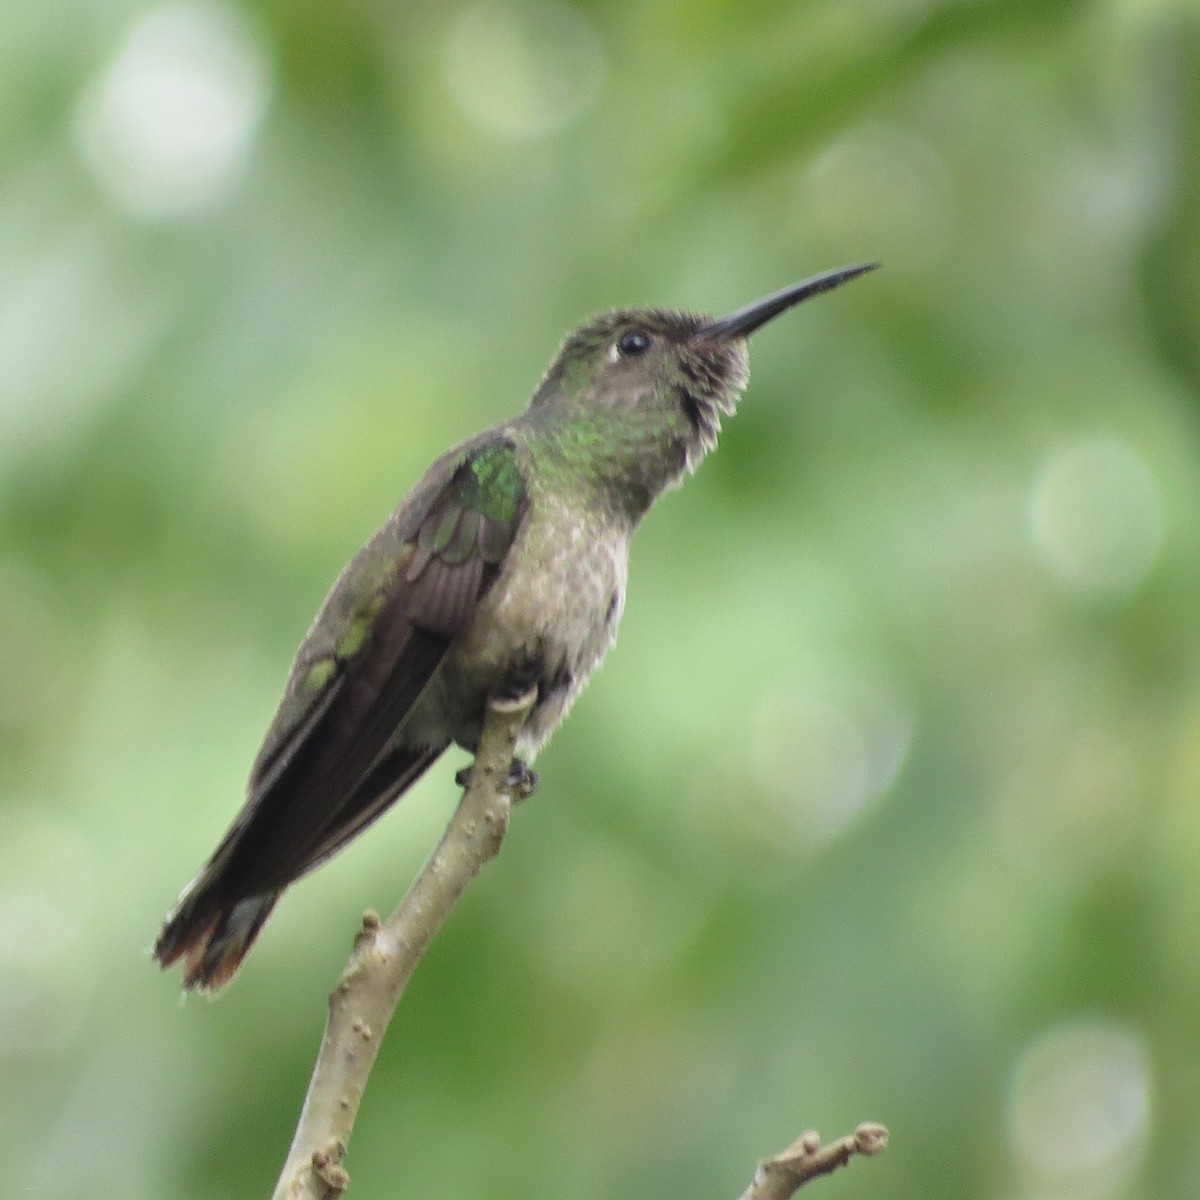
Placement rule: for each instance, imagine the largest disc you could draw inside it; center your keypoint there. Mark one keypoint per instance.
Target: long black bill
(746, 320)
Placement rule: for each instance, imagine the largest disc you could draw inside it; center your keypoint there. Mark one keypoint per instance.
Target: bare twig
(782, 1176)
(386, 954)
(384, 958)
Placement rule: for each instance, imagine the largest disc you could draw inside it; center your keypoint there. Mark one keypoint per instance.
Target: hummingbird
(504, 569)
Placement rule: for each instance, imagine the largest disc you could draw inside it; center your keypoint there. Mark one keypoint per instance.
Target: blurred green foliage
(884, 806)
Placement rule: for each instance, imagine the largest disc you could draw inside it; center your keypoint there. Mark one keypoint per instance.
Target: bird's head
(652, 385)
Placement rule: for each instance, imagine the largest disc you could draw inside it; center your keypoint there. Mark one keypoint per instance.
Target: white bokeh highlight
(1079, 1109)
(169, 125)
(879, 181)
(820, 757)
(523, 70)
(1096, 516)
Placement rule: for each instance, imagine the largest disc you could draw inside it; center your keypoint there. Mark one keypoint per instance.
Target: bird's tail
(211, 936)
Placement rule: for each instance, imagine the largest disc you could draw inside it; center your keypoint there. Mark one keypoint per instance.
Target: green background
(885, 805)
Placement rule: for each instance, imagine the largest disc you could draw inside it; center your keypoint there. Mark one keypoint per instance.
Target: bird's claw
(522, 779)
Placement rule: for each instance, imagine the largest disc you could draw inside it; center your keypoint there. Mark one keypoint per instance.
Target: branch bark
(384, 957)
(386, 954)
(806, 1159)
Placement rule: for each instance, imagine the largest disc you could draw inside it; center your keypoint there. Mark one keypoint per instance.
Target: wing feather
(331, 762)
(312, 786)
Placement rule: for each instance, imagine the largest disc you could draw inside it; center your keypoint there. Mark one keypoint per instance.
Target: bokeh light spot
(1079, 1108)
(820, 758)
(167, 128)
(879, 183)
(1096, 516)
(523, 70)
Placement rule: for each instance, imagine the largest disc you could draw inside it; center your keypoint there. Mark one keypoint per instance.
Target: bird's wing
(380, 636)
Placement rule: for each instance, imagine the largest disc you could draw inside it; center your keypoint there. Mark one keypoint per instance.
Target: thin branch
(384, 958)
(805, 1159)
(386, 954)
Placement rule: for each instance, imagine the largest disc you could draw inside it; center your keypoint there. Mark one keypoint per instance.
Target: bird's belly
(547, 621)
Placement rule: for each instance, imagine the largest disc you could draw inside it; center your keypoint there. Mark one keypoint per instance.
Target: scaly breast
(551, 614)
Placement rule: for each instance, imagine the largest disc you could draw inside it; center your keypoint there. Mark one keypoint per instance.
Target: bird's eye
(633, 343)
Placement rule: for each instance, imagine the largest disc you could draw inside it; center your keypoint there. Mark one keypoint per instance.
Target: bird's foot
(522, 779)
